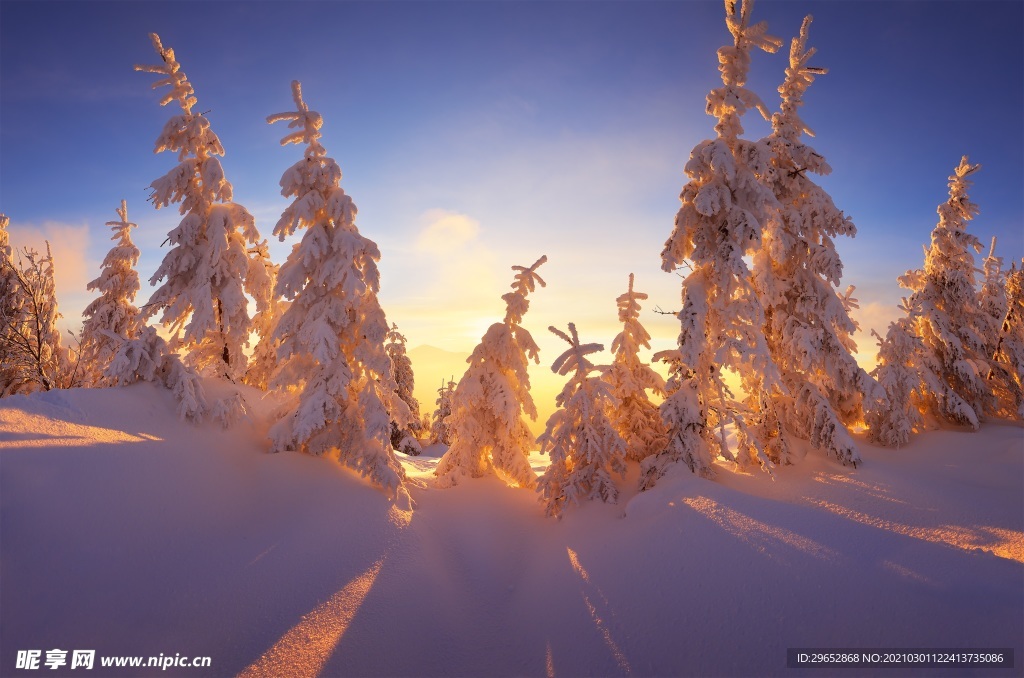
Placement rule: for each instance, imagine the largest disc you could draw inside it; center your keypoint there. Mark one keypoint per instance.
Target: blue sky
(478, 135)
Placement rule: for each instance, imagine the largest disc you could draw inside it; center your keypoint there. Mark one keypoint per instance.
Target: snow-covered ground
(127, 532)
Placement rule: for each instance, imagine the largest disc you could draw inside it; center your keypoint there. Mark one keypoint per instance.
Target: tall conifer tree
(331, 338)
(724, 207)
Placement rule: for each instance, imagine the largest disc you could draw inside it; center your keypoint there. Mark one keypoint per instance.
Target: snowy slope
(125, 531)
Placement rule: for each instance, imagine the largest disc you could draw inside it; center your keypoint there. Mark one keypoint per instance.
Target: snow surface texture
(126, 532)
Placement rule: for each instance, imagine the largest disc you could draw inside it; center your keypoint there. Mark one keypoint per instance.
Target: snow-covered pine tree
(1008, 359)
(904, 377)
(797, 270)
(269, 306)
(580, 439)
(684, 416)
(992, 298)
(440, 431)
(147, 357)
(635, 417)
(206, 271)
(943, 307)
(915, 392)
(111, 318)
(487, 428)
(12, 300)
(403, 438)
(331, 351)
(724, 206)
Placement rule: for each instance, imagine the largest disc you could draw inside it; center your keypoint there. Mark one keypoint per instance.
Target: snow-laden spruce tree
(403, 438)
(684, 416)
(992, 298)
(111, 318)
(932, 363)
(944, 311)
(487, 427)
(724, 206)
(1008, 359)
(580, 439)
(269, 307)
(12, 301)
(207, 272)
(440, 431)
(994, 305)
(635, 417)
(907, 375)
(797, 270)
(331, 353)
(147, 357)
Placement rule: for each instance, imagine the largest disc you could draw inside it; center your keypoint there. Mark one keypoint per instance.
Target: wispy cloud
(445, 289)
(446, 231)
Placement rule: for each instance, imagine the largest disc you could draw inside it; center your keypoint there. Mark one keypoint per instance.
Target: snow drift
(130, 533)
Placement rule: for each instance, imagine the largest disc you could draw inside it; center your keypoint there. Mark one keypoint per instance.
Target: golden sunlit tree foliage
(725, 205)
(1008, 358)
(634, 416)
(11, 300)
(1002, 321)
(584, 447)
(488, 432)
(112, 318)
(797, 270)
(947, 326)
(992, 298)
(269, 308)
(331, 337)
(208, 270)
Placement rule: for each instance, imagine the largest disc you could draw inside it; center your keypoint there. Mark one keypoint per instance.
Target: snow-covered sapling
(487, 427)
(584, 447)
(909, 374)
(403, 438)
(440, 431)
(635, 417)
(112, 318)
(684, 416)
(147, 357)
